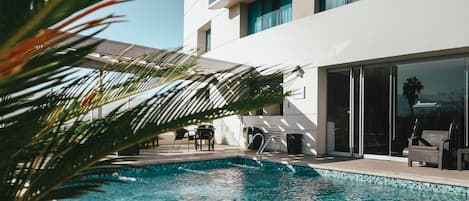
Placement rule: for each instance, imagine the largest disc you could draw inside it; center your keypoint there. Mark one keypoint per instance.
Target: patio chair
(430, 146)
(180, 134)
(205, 132)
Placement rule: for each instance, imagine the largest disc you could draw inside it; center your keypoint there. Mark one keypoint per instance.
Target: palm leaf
(25, 40)
(149, 118)
(50, 150)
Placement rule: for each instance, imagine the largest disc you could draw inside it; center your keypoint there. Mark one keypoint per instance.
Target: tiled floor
(167, 153)
(384, 168)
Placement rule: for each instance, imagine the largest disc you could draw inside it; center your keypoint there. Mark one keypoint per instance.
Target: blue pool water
(226, 179)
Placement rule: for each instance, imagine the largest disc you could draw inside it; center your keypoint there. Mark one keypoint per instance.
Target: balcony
(217, 4)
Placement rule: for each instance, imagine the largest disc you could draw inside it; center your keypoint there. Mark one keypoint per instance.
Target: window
(264, 14)
(204, 38)
(330, 4)
(433, 92)
(379, 104)
(211, 1)
(208, 40)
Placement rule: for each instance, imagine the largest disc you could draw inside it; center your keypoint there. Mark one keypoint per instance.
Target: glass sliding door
(433, 92)
(376, 110)
(356, 76)
(466, 120)
(338, 110)
(371, 110)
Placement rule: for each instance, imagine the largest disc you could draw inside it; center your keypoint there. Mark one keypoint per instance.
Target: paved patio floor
(386, 168)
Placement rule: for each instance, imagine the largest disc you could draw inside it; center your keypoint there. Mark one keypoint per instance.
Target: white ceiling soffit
(217, 4)
(110, 52)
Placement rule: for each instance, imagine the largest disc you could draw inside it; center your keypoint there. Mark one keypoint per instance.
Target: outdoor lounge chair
(205, 132)
(429, 146)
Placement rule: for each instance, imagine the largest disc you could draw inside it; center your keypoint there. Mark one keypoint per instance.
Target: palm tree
(49, 150)
(410, 91)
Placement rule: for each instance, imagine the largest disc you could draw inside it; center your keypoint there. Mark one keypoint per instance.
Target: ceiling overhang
(217, 4)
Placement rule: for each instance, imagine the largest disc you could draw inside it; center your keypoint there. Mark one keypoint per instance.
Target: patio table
(205, 132)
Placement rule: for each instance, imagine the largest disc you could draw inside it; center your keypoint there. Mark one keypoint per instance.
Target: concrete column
(322, 111)
(303, 8)
(243, 21)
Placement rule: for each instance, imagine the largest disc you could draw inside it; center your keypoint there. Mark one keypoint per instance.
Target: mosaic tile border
(179, 167)
(373, 179)
(399, 183)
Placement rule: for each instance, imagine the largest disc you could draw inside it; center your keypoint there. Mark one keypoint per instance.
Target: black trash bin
(294, 143)
(256, 142)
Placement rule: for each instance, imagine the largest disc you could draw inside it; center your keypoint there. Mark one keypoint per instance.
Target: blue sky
(153, 23)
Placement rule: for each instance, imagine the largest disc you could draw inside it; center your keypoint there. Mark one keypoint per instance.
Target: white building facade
(371, 67)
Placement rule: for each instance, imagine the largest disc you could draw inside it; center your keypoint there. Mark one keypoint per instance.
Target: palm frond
(49, 149)
(27, 38)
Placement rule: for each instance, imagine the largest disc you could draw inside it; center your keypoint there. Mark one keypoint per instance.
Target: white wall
(367, 29)
(196, 14)
(225, 24)
(364, 30)
(229, 131)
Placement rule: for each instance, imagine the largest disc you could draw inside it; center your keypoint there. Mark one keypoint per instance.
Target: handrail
(264, 145)
(254, 137)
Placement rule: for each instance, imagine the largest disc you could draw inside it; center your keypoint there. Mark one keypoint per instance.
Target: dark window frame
(208, 40)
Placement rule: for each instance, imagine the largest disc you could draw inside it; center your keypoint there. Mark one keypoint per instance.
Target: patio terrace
(166, 154)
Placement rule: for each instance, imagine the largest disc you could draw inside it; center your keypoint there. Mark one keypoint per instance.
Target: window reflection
(265, 14)
(393, 96)
(434, 93)
(338, 94)
(376, 110)
(330, 4)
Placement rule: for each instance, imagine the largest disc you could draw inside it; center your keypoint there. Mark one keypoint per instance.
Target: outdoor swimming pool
(226, 179)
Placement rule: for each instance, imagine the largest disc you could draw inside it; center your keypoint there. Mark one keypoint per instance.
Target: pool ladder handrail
(264, 145)
(254, 137)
